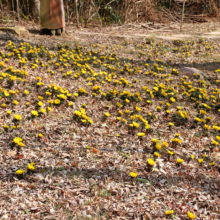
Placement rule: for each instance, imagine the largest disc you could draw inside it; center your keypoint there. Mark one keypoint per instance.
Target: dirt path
(119, 33)
(209, 35)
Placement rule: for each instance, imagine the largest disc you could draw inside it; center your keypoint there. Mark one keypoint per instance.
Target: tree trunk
(34, 8)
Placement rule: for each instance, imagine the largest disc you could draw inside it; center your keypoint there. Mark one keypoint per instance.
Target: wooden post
(181, 25)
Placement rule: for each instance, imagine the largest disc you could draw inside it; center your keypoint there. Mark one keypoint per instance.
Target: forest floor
(101, 123)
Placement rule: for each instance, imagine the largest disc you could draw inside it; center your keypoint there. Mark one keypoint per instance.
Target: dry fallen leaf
(96, 151)
(11, 153)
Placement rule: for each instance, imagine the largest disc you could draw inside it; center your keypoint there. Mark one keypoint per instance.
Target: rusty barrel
(52, 14)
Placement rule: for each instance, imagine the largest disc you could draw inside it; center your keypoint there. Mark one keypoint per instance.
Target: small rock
(52, 211)
(162, 181)
(15, 30)
(84, 214)
(189, 71)
(92, 181)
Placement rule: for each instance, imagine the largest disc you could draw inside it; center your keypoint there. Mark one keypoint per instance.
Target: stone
(15, 30)
(189, 71)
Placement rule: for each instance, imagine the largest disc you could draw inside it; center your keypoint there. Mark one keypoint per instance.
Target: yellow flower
(119, 104)
(17, 140)
(17, 117)
(172, 99)
(207, 127)
(154, 140)
(170, 152)
(192, 156)
(215, 143)
(135, 124)
(158, 146)
(156, 154)
(31, 166)
(140, 134)
(40, 135)
(57, 101)
(212, 163)
(50, 101)
(26, 92)
(177, 140)
(49, 109)
(147, 127)
(200, 160)
(134, 175)
(40, 103)
(191, 215)
(171, 124)
(165, 144)
(8, 112)
(43, 110)
(169, 212)
(107, 114)
(15, 102)
(35, 113)
(179, 160)
(150, 161)
(20, 144)
(19, 172)
(138, 108)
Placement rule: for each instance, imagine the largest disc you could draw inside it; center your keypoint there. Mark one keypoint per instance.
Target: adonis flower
(40, 103)
(34, 113)
(141, 134)
(169, 212)
(17, 140)
(31, 166)
(19, 172)
(17, 117)
(191, 215)
(179, 160)
(150, 161)
(134, 175)
(57, 101)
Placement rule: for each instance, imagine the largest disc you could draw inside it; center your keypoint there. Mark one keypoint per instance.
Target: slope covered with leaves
(109, 132)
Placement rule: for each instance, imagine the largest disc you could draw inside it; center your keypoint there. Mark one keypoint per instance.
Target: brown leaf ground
(83, 167)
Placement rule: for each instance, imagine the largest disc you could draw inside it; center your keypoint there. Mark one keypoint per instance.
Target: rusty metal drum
(52, 14)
